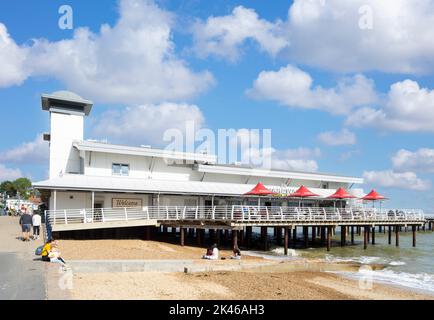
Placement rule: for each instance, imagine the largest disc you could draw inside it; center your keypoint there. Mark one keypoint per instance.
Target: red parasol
(341, 194)
(374, 196)
(303, 192)
(260, 190)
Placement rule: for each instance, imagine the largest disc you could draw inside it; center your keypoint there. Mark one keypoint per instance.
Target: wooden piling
(279, 235)
(397, 236)
(343, 236)
(306, 236)
(294, 236)
(414, 235)
(248, 236)
(365, 238)
(390, 234)
(234, 238)
(373, 235)
(323, 235)
(198, 236)
(182, 232)
(329, 237)
(285, 241)
(352, 234)
(313, 235)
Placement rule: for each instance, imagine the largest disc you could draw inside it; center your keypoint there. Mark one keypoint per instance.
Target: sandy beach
(292, 280)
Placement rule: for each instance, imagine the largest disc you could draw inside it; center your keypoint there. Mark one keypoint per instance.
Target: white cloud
(407, 107)
(36, 151)
(341, 138)
(223, 36)
(132, 62)
(12, 59)
(8, 173)
(145, 124)
(401, 180)
(421, 160)
(326, 34)
(293, 87)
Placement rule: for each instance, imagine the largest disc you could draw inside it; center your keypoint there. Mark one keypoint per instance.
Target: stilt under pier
(286, 240)
(352, 234)
(182, 232)
(365, 238)
(397, 235)
(390, 234)
(373, 235)
(329, 237)
(414, 235)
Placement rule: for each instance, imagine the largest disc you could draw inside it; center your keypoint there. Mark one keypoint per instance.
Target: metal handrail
(233, 213)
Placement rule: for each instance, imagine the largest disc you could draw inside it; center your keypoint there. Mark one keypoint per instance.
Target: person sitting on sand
(212, 253)
(50, 253)
(237, 253)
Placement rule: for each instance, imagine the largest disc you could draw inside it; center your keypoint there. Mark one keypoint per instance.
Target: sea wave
(418, 281)
(365, 260)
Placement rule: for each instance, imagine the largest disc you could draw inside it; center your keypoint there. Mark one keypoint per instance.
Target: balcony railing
(235, 213)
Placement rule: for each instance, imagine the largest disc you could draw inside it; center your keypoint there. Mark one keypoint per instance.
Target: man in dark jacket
(26, 224)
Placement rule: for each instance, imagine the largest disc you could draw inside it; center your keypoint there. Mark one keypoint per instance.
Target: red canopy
(260, 190)
(374, 195)
(303, 192)
(341, 193)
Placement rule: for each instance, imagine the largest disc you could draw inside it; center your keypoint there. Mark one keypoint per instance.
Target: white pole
(93, 200)
(55, 200)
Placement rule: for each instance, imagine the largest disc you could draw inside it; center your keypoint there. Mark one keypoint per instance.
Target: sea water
(404, 266)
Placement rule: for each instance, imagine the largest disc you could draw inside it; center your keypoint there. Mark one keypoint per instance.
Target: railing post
(176, 210)
(66, 217)
(126, 214)
(232, 212)
(196, 213)
(281, 213)
(339, 213)
(167, 213)
(213, 213)
(183, 213)
(102, 215)
(268, 214)
(310, 214)
(298, 213)
(352, 214)
(325, 213)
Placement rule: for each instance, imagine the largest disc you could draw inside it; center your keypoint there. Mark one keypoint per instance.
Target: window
(120, 169)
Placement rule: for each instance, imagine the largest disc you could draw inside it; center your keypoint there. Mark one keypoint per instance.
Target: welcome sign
(126, 203)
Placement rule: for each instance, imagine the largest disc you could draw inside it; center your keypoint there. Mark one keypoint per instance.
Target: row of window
(119, 169)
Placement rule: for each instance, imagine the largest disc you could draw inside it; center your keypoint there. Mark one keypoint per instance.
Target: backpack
(38, 250)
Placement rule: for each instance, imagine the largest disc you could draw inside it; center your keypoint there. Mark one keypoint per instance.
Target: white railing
(232, 213)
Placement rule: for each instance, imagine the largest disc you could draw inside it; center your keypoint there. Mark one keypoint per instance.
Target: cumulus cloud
(224, 36)
(421, 160)
(397, 42)
(401, 180)
(293, 87)
(132, 62)
(407, 107)
(341, 138)
(344, 36)
(145, 124)
(9, 173)
(12, 59)
(33, 152)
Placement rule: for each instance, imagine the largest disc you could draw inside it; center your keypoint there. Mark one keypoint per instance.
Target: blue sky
(320, 41)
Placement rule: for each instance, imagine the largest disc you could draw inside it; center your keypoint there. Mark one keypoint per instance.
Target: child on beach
(237, 253)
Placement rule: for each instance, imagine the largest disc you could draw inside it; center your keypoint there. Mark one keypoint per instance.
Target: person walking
(26, 225)
(36, 222)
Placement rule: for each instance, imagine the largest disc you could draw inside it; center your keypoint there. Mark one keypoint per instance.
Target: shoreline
(293, 278)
